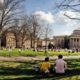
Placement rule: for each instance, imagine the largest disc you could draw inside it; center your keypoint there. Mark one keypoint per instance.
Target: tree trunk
(16, 39)
(17, 44)
(0, 37)
(0, 41)
(31, 40)
(22, 44)
(34, 44)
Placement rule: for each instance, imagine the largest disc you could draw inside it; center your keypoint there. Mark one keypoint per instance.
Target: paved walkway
(33, 58)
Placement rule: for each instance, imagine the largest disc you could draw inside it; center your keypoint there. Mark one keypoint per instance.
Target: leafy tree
(66, 42)
(50, 46)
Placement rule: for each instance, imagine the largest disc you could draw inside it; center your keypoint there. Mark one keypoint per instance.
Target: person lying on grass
(60, 65)
(44, 66)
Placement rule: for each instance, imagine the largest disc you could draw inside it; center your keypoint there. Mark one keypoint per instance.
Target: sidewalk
(34, 58)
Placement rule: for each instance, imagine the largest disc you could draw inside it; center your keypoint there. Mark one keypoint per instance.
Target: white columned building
(75, 39)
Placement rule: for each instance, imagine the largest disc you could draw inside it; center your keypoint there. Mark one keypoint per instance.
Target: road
(34, 58)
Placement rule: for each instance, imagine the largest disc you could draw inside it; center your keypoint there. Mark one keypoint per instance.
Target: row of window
(75, 39)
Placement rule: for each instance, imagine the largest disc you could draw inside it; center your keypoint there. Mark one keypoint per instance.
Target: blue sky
(61, 25)
(37, 5)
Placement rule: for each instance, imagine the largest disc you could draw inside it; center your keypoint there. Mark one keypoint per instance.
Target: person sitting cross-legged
(44, 66)
(60, 65)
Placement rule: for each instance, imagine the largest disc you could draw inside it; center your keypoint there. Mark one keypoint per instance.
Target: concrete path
(33, 58)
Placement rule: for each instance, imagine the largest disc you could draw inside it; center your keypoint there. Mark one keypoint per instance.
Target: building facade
(59, 41)
(75, 39)
(10, 41)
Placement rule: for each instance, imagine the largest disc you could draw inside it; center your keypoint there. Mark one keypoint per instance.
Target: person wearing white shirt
(60, 65)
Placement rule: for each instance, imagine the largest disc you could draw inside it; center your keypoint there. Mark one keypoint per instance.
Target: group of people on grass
(45, 66)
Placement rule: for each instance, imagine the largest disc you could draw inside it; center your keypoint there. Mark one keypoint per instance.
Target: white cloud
(62, 19)
(73, 14)
(66, 33)
(59, 20)
(68, 24)
(47, 17)
(1, 1)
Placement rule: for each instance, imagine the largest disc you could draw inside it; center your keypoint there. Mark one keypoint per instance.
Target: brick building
(9, 41)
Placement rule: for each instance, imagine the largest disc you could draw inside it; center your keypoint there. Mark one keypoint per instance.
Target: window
(77, 39)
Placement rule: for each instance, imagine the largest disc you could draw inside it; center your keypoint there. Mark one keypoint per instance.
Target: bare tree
(20, 31)
(9, 10)
(25, 30)
(35, 30)
(29, 28)
(46, 34)
(16, 29)
(73, 5)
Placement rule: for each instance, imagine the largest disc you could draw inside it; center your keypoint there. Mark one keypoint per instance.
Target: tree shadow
(36, 75)
(27, 69)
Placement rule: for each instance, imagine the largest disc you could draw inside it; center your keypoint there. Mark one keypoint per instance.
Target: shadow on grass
(26, 72)
(32, 75)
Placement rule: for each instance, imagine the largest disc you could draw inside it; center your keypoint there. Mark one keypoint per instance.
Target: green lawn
(25, 71)
(16, 53)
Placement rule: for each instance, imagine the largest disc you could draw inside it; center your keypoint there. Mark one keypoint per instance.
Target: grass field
(25, 71)
(31, 53)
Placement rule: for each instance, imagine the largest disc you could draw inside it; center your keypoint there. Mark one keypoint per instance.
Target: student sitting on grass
(44, 66)
(60, 65)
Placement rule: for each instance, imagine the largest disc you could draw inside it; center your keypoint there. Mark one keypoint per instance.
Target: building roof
(76, 32)
(60, 36)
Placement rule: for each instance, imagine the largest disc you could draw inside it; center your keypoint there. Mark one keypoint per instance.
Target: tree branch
(71, 17)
